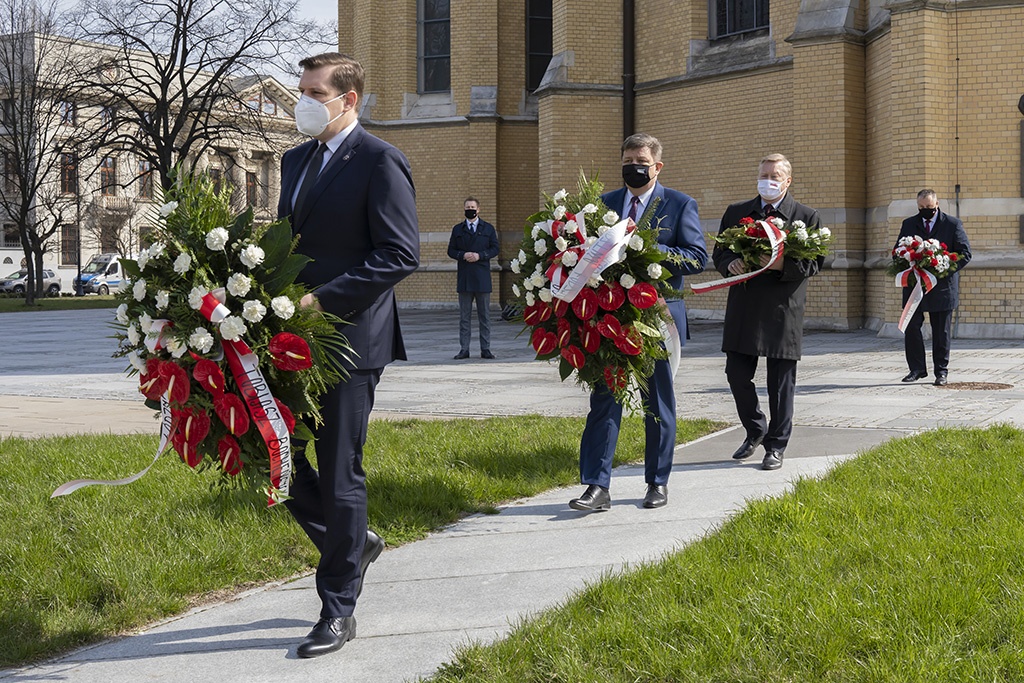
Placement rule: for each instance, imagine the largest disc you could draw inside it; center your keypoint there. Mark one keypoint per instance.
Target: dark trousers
(913, 341)
(330, 505)
(483, 314)
(601, 433)
(739, 370)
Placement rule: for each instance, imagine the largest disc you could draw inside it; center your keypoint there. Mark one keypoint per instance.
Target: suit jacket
(764, 316)
(359, 225)
(679, 232)
(473, 277)
(945, 296)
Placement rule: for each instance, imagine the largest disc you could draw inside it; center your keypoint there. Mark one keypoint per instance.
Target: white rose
(589, 208)
(253, 311)
(163, 297)
(825, 232)
(541, 247)
(559, 213)
(569, 259)
(156, 250)
(538, 280)
(239, 285)
(560, 195)
(232, 328)
(654, 271)
(135, 358)
(216, 239)
(176, 348)
(545, 295)
(122, 314)
(627, 280)
(530, 300)
(522, 256)
(515, 290)
(195, 297)
(201, 340)
(636, 242)
(182, 264)
(143, 259)
(145, 322)
(561, 243)
(139, 290)
(134, 336)
(514, 265)
(610, 218)
(252, 256)
(799, 224)
(167, 209)
(283, 307)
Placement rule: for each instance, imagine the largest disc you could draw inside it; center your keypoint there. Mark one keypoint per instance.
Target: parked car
(17, 283)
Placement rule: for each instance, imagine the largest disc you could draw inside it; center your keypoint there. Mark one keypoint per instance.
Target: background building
(871, 101)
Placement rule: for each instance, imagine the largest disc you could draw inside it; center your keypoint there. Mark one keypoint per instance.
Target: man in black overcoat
(474, 242)
(764, 316)
(931, 223)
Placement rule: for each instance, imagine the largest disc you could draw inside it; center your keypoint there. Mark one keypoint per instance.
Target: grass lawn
(16, 304)
(106, 560)
(904, 565)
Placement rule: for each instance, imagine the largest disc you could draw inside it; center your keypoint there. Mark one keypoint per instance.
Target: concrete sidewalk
(477, 578)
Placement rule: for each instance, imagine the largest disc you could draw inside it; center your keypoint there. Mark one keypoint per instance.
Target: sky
(319, 9)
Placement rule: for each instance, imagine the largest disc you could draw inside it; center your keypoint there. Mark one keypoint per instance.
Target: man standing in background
(474, 242)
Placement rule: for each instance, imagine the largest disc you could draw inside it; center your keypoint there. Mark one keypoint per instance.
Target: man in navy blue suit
(474, 242)
(675, 214)
(351, 201)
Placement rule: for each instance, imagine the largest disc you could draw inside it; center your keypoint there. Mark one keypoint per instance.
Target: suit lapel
(338, 161)
(295, 173)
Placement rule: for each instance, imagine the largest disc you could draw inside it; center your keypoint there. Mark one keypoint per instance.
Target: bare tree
(38, 85)
(179, 73)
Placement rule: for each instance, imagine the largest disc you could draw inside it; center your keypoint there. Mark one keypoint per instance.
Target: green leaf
(242, 226)
(646, 329)
(131, 268)
(564, 369)
(276, 244)
(302, 432)
(285, 274)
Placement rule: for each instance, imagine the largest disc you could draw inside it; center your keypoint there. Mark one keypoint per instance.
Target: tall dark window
(538, 41)
(68, 244)
(68, 113)
(10, 238)
(10, 174)
(435, 46)
(107, 116)
(69, 174)
(108, 177)
(730, 17)
(252, 189)
(145, 178)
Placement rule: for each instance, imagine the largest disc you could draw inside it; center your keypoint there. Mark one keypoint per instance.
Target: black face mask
(470, 214)
(636, 175)
(926, 214)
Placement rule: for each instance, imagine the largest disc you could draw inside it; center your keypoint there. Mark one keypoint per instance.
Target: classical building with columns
(871, 101)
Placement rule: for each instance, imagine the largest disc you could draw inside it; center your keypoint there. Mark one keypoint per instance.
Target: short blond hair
(780, 160)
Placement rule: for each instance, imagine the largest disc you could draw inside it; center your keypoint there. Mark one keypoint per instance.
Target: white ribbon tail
(673, 344)
(912, 303)
(607, 250)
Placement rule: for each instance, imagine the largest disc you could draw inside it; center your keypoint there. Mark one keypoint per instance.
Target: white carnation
(571, 226)
(799, 224)
(528, 283)
(538, 280)
(515, 290)
(232, 328)
(167, 209)
(560, 195)
(239, 285)
(252, 256)
(561, 244)
(134, 336)
(591, 240)
(521, 256)
(145, 323)
(156, 250)
(636, 242)
(122, 314)
(135, 358)
(176, 348)
(283, 307)
(201, 340)
(143, 259)
(538, 228)
(530, 299)
(195, 297)
(825, 232)
(594, 281)
(216, 239)
(654, 271)
(514, 265)
(569, 259)
(602, 229)
(163, 297)
(800, 234)
(139, 290)
(545, 295)
(589, 208)
(182, 264)
(541, 247)
(559, 213)
(253, 311)
(627, 280)
(610, 218)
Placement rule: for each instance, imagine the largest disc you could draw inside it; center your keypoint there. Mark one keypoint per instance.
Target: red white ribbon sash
(925, 283)
(778, 241)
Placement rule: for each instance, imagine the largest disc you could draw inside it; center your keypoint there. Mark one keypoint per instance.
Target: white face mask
(770, 190)
(312, 117)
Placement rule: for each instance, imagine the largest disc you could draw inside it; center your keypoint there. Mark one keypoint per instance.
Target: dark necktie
(472, 228)
(634, 204)
(928, 226)
(768, 210)
(312, 171)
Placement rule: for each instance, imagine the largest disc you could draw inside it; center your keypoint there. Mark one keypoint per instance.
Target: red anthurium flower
(537, 313)
(289, 352)
(615, 378)
(209, 376)
(230, 455)
(192, 428)
(544, 342)
(151, 383)
(610, 326)
(585, 304)
(564, 332)
(232, 413)
(643, 295)
(561, 307)
(590, 337)
(574, 356)
(289, 419)
(610, 296)
(178, 384)
(630, 343)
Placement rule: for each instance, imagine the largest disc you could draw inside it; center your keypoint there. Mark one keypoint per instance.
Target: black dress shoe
(940, 379)
(747, 448)
(594, 498)
(657, 496)
(327, 636)
(772, 459)
(372, 549)
(487, 354)
(914, 375)
(461, 355)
